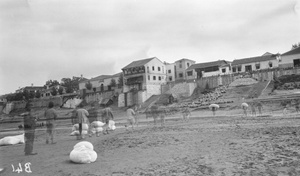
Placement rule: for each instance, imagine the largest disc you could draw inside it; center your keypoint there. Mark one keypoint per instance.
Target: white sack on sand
(111, 125)
(83, 153)
(86, 144)
(97, 130)
(12, 140)
(97, 124)
(76, 127)
(76, 132)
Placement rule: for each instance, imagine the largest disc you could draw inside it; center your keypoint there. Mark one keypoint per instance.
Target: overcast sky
(54, 39)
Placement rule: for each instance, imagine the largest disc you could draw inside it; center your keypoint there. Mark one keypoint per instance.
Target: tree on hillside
(51, 83)
(37, 94)
(113, 83)
(31, 95)
(120, 80)
(70, 84)
(54, 91)
(88, 85)
(26, 95)
(18, 96)
(296, 45)
(60, 90)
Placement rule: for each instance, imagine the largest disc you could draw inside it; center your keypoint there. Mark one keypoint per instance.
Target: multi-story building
(170, 71)
(180, 68)
(142, 79)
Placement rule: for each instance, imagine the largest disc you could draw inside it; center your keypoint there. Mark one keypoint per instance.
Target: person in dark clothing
(29, 130)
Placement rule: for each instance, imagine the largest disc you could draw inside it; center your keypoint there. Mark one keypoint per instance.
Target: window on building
(188, 64)
(270, 64)
(180, 65)
(163, 69)
(296, 62)
(257, 66)
(239, 68)
(169, 71)
(147, 69)
(148, 77)
(158, 68)
(180, 75)
(233, 69)
(223, 70)
(159, 78)
(190, 73)
(154, 77)
(153, 68)
(170, 78)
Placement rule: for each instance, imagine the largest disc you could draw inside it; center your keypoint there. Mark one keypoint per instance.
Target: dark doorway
(296, 62)
(248, 68)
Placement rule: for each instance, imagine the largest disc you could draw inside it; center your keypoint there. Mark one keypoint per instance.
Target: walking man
(253, 109)
(130, 118)
(50, 115)
(259, 107)
(29, 130)
(81, 115)
(106, 116)
(93, 116)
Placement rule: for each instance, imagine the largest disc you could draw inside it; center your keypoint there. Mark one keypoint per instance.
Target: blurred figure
(259, 107)
(29, 129)
(106, 116)
(50, 115)
(297, 106)
(93, 116)
(186, 113)
(253, 111)
(162, 115)
(130, 118)
(245, 107)
(135, 109)
(81, 115)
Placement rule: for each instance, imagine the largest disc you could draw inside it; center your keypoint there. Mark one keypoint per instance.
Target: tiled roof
(34, 87)
(185, 59)
(291, 52)
(101, 77)
(208, 64)
(138, 63)
(254, 59)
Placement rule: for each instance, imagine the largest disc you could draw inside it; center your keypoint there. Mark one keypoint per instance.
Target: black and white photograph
(149, 88)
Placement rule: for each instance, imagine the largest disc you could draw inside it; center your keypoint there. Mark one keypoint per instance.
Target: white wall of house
(107, 81)
(181, 67)
(288, 61)
(155, 72)
(170, 70)
(263, 65)
(213, 73)
(82, 85)
(191, 74)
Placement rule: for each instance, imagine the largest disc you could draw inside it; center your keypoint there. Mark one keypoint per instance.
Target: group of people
(80, 116)
(30, 125)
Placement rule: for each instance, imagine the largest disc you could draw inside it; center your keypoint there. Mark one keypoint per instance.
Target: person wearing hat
(29, 130)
